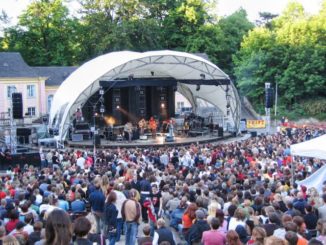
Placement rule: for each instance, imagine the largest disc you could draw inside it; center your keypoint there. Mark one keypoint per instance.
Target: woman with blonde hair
(10, 240)
(105, 182)
(212, 208)
(258, 236)
(238, 219)
(273, 240)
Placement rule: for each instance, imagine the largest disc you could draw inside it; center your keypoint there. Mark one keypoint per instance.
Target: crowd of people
(224, 193)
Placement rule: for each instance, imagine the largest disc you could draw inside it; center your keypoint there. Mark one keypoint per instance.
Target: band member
(153, 126)
(78, 115)
(128, 131)
(142, 125)
(171, 127)
(186, 127)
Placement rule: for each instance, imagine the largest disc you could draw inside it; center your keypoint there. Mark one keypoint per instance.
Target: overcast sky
(225, 7)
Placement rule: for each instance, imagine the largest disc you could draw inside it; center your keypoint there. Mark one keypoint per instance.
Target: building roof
(12, 64)
(56, 74)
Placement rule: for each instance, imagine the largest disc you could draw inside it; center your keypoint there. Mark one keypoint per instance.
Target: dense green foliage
(48, 35)
(289, 49)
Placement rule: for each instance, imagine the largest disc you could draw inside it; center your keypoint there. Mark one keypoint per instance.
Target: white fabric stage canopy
(312, 148)
(315, 148)
(85, 81)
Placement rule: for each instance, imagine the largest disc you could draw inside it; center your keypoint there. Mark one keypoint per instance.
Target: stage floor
(159, 141)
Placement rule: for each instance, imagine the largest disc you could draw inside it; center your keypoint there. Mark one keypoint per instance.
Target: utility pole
(276, 99)
(268, 107)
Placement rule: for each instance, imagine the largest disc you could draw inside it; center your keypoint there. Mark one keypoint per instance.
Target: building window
(50, 99)
(180, 105)
(31, 91)
(31, 111)
(10, 89)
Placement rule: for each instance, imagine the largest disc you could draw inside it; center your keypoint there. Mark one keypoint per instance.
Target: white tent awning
(313, 148)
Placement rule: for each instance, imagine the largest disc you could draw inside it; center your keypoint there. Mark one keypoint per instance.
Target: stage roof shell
(85, 81)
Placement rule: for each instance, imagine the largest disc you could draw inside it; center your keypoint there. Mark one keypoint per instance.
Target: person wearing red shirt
(14, 219)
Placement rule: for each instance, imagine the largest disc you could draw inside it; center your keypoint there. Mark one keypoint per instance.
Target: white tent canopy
(313, 148)
(84, 82)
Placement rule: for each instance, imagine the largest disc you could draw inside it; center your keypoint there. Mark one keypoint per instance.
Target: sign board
(256, 124)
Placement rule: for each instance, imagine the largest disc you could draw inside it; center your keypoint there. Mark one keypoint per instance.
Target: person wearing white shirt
(81, 162)
(120, 200)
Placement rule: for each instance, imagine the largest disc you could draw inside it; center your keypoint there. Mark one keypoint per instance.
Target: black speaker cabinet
(17, 105)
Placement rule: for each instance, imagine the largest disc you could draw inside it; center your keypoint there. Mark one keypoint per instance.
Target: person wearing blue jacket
(111, 217)
(97, 200)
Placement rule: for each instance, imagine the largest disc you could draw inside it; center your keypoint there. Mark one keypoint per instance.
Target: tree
(291, 52)
(45, 35)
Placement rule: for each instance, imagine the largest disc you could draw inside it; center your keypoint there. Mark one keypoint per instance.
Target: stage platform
(159, 141)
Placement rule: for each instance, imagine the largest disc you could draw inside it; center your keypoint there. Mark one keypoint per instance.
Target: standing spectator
(162, 234)
(97, 200)
(146, 239)
(213, 236)
(110, 217)
(300, 203)
(322, 209)
(120, 199)
(58, 229)
(130, 211)
(35, 236)
(232, 238)
(78, 205)
(310, 219)
(188, 217)
(13, 220)
(62, 203)
(258, 235)
(195, 233)
(81, 228)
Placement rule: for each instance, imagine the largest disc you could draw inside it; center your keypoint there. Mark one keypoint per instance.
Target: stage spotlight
(101, 91)
(152, 73)
(118, 107)
(162, 105)
(202, 75)
(102, 109)
(197, 87)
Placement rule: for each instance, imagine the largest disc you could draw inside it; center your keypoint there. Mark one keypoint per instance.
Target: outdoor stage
(158, 142)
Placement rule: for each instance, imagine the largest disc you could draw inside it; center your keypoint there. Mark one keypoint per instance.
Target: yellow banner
(256, 124)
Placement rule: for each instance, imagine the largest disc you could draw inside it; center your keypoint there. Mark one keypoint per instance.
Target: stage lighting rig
(202, 76)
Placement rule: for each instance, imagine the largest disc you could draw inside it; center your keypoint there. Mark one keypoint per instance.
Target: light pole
(268, 107)
(94, 133)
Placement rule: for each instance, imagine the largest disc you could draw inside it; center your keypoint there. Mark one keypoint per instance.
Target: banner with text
(256, 124)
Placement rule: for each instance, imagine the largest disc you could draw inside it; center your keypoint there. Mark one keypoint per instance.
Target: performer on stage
(171, 127)
(142, 125)
(128, 131)
(186, 127)
(153, 126)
